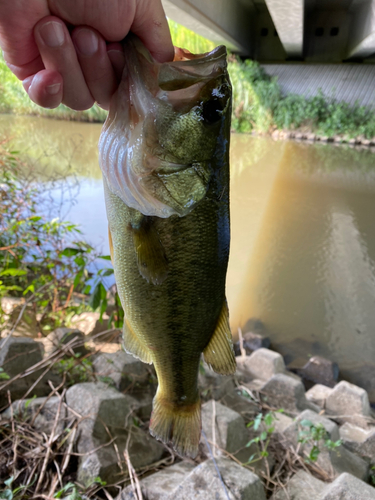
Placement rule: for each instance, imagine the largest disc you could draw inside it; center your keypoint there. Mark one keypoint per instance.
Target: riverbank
(258, 103)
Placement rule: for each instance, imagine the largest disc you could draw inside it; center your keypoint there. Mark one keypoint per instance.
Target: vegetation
(258, 104)
(43, 260)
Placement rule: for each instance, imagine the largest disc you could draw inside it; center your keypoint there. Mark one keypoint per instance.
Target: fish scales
(170, 269)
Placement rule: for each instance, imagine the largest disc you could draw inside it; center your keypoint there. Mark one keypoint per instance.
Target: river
(302, 262)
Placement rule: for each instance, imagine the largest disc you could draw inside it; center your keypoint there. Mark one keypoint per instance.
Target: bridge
(314, 31)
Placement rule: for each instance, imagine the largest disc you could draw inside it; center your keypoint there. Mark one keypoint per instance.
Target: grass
(258, 103)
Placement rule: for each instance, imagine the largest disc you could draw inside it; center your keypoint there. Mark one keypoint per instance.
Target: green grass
(258, 104)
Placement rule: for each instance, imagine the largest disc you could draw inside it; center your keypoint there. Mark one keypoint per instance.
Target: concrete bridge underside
(284, 30)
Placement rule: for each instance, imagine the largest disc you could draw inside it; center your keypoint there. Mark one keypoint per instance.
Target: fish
(164, 156)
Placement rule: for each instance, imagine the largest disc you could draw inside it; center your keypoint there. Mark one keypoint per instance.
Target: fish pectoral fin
(151, 259)
(132, 345)
(110, 245)
(219, 353)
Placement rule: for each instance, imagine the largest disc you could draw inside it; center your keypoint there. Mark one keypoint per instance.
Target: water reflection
(303, 238)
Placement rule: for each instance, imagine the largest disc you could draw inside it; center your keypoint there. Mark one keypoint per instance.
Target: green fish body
(164, 153)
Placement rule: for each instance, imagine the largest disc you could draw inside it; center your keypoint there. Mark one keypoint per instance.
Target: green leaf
(78, 278)
(79, 260)
(70, 252)
(9, 481)
(263, 436)
(13, 272)
(252, 441)
(105, 257)
(257, 421)
(306, 423)
(107, 272)
(268, 419)
(314, 453)
(6, 494)
(97, 296)
(30, 288)
(29, 401)
(35, 218)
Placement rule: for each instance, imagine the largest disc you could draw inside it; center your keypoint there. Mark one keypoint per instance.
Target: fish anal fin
(151, 260)
(110, 245)
(178, 425)
(219, 353)
(132, 345)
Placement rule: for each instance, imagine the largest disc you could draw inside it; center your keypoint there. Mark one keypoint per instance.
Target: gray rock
(89, 324)
(319, 370)
(62, 336)
(358, 440)
(18, 355)
(348, 487)
(283, 391)
(104, 460)
(102, 408)
(251, 342)
(161, 484)
(318, 394)
(280, 423)
(302, 486)
(333, 461)
(240, 401)
(203, 483)
(41, 412)
(230, 429)
(122, 368)
(349, 403)
(262, 364)
(213, 385)
(142, 405)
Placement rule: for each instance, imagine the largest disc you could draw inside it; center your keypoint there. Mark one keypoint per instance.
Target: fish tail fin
(178, 425)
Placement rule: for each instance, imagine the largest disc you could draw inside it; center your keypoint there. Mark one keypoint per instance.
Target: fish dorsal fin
(219, 353)
(132, 345)
(151, 260)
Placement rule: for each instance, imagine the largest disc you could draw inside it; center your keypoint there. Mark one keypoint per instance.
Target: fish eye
(212, 111)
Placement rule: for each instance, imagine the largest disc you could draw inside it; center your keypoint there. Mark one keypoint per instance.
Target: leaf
(6, 494)
(268, 419)
(79, 260)
(252, 441)
(29, 401)
(30, 288)
(97, 296)
(306, 423)
(78, 278)
(263, 436)
(13, 272)
(105, 257)
(257, 421)
(314, 453)
(107, 272)
(70, 252)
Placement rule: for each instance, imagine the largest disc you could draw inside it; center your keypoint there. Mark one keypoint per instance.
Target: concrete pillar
(288, 16)
(222, 21)
(362, 40)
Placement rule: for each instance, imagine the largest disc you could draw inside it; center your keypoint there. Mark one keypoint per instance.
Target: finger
(95, 64)
(151, 25)
(116, 55)
(45, 88)
(58, 54)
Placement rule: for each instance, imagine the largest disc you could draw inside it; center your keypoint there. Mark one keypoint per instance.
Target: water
(303, 237)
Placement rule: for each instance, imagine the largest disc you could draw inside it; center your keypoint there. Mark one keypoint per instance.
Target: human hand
(68, 51)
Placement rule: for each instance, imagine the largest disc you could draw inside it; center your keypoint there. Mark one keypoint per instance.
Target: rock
(302, 486)
(103, 461)
(283, 391)
(122, 368)
(255, 325)
(240, 401)
(334, 461)
(17, 355)
(62, 336)
(143, 400)
(319, 370)
(359, 441)
(89, 324)
(348, 487)
(230, 429)
(349, 403)
(41, 412)
(161, 484)
(27, 326)
(213, 385)
(318, 394)
(280, 423)
(101, 407)
(262, 364)
(251, 342)
(203, 483)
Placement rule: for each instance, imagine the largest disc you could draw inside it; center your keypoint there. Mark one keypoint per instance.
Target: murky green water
(303, 235)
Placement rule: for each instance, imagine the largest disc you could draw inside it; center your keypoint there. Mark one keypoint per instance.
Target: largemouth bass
(164, 154)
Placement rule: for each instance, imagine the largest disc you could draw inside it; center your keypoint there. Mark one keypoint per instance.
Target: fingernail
(53, 89)
(27, 82)
(52, 34)
(86, 42)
